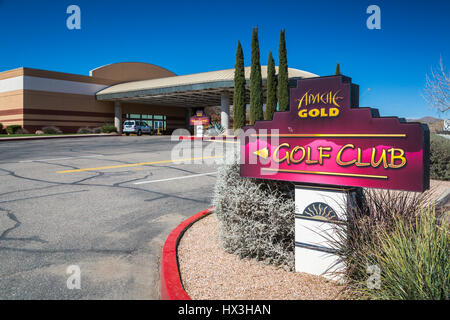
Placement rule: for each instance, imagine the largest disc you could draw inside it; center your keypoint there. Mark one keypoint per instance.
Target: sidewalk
(57, 136)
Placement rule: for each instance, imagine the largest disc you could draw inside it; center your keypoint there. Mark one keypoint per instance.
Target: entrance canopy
(193, 90)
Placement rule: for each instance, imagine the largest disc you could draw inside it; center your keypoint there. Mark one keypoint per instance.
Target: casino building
(113, 93)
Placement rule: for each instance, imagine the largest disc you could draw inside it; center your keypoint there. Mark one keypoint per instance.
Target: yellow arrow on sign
(263, 153)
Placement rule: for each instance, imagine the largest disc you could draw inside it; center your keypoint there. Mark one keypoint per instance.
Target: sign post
(329, 147)
(317, 209)
(199, 121)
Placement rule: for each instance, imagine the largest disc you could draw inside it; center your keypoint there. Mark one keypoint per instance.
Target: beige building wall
(36, 98)
(69, 112)
(11, 108)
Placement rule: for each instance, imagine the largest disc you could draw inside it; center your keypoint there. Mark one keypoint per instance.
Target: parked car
(136, 126)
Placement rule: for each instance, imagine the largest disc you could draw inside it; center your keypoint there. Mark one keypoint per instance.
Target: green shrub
(51, 130)
(22, 131)
(256, 217)
(84, 130)
(108, 128)
(439, 158)
(413, 258)
(1, 127)
(408, 242)
(216, 129)
(12, 129)
(97, 130)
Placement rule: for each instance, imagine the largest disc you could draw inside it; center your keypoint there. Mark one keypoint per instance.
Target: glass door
(159, 124)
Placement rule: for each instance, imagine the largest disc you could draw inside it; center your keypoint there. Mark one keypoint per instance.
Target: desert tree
(283, 76)
(256, 92)
(239, 90)
(437, 88)
(271, 96)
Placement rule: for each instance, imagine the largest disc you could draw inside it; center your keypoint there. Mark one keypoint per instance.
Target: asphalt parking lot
(105, 204)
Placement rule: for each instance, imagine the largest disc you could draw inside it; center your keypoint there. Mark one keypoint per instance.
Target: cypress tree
(338, 70)
(239, 90)
(256, 93)
(271, 102)
(283, 77)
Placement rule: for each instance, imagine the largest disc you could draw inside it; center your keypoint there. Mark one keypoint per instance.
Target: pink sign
(327, 139)
(203, 121)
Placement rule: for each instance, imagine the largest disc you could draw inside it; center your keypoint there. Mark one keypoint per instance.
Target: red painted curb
(190, 138)
(57, 137)
(208, 138)
(171, 286)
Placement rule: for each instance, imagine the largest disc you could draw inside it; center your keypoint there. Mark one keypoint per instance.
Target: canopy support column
(225, 110)
(118, 116)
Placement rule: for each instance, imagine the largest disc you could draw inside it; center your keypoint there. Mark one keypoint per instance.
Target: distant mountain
(427, 120)
(433, 123)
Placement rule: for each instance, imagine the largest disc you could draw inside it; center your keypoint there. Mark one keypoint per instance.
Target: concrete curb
(171, 286)
(58, 137)
(208, 138)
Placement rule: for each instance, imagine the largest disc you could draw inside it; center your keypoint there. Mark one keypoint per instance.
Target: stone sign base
(318, 211)
(198, 130)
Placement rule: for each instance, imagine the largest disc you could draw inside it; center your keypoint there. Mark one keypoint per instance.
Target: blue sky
(197, 35)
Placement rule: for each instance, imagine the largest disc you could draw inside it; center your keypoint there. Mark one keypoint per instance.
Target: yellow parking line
(136, 164)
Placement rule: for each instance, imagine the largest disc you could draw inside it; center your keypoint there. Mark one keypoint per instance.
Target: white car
(136, 126)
